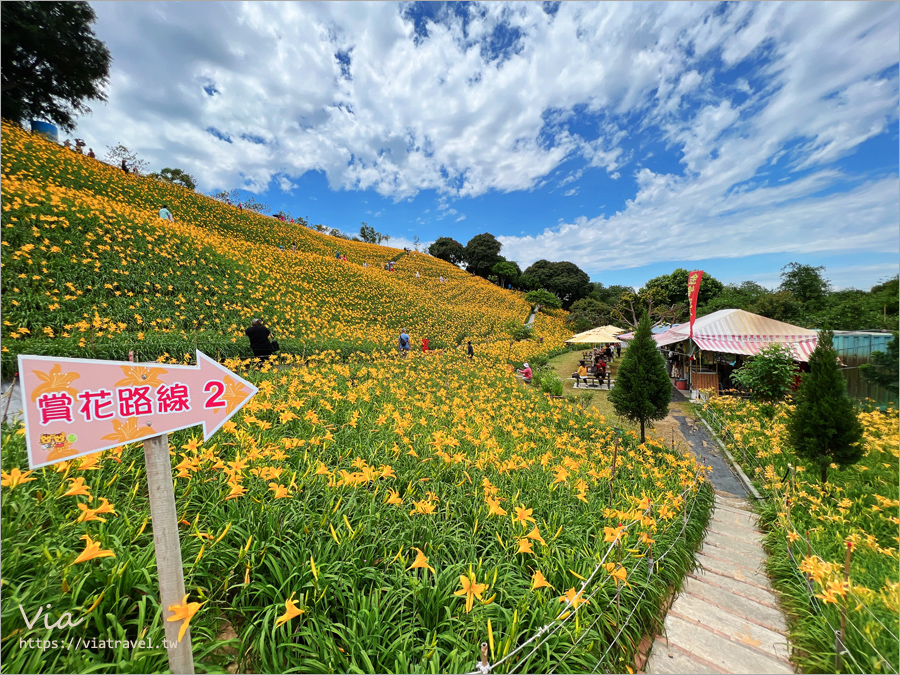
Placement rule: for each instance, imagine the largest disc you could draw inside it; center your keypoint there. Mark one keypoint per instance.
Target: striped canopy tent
(734, 331)
(598, 335)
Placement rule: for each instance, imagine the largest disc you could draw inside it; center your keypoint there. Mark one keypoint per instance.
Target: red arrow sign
(75, 407)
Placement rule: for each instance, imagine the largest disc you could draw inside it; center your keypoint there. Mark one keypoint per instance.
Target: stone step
(672, 660)
(732, 570)
(766, 616)
(740, 631)
(731, 657)
(751, 552)
(749, 590)
(735, 531)
(733, 502)
(736, 519)
(731, 511)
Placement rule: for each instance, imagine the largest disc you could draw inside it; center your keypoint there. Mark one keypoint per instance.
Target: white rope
(558, 622)
(780, 495)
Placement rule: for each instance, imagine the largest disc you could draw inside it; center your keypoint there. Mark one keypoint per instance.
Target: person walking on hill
(403, 342)
(241, 206)
(124, 166)
(91, 153)
(618, 350)
(259, 339)
(424, 344)
(165, 214)
(469, 350)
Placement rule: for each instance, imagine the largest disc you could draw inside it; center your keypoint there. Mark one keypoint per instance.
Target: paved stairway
(726, 618)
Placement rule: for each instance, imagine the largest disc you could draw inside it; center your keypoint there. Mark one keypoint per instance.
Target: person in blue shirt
(165, 214)
(403, 341)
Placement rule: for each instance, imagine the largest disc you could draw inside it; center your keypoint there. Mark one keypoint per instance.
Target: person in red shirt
(424, 344)
(525, 373)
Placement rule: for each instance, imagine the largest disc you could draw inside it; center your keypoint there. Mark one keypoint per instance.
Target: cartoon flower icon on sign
(53, 382)
(141, 375)
(128, 431)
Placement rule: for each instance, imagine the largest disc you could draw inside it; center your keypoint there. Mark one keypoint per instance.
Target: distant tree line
(804, 298)
(564, 281)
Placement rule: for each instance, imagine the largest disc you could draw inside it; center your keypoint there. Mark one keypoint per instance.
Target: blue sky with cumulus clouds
(629, 138)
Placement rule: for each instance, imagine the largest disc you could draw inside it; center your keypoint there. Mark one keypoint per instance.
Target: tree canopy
(448, 249)
(806, 283)
(368, 234)
(564, 279)
(482, 253)
(672, 289)
(178, 177)
(824, 428)
(52, 61)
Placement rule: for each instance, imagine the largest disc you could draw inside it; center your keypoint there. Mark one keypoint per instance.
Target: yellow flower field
(813, 526)
(386, 515)
(90, 270)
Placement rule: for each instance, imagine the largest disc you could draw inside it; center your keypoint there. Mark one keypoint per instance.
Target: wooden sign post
(169, 567)
(76, 407)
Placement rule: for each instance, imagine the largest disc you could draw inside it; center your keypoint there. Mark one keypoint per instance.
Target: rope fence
(777, 494)
(548, 630)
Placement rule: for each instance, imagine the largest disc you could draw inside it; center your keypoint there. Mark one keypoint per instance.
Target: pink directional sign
(74, 407)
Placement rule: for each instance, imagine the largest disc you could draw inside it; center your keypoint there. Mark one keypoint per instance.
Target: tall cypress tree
(824, 428)
(643, 390)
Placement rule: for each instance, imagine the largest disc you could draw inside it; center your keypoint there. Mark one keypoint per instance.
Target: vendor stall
(721, 336)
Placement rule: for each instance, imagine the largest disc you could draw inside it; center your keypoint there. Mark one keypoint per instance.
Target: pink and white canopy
(735, 331)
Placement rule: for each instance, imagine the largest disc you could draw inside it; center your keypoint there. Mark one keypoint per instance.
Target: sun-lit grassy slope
(90, 270)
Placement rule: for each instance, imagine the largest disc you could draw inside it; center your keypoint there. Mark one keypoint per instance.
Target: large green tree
(482, 253)
(564, 279)
(52, 61)
(448, 249)
(176, 176)
(807, 284)
(670, 290)
(370, 235)
(643, 388)
(507, 271)
(587, 313)
(824, 427)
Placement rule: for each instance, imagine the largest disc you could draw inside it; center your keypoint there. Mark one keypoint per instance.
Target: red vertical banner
(694, 279)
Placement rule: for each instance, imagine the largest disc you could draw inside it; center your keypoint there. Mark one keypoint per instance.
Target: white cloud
(816, 80)
(462, 217)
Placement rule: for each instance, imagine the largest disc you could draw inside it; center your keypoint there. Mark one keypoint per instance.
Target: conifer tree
(824, 428)
(643, 390)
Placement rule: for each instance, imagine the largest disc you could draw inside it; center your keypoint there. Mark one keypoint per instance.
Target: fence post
(482, 666)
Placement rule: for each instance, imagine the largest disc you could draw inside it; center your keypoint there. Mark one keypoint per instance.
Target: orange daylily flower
(420, 561)
(393, 497)
(538, 581)
(536, 535)
(471, 589)
(495, 508)
(92, 550)
(616, 571)
(574, 598)
(184, 612)
(524, 546)
(523, 515)
(280, 491)
(291, 610)
(78, 488)
(15, 478)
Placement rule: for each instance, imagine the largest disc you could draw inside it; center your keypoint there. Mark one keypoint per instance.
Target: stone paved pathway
(726, 618)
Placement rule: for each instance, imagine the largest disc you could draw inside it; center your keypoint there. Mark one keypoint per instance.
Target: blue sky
(629, 138)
